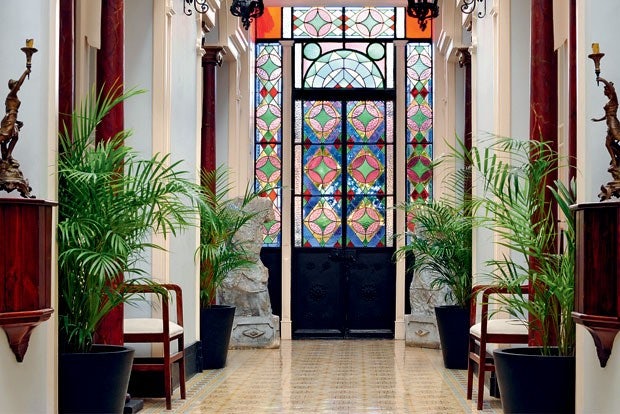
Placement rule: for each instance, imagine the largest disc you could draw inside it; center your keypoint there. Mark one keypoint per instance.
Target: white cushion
(501, 326)
(149, 325)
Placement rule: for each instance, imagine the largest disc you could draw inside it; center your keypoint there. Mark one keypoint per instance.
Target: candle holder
(596, 57)
(29, 50)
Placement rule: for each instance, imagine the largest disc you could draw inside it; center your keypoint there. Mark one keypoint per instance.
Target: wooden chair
(489, 331)
(160, 330)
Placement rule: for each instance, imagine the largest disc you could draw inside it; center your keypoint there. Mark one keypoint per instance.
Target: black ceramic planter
(96, 381)
(453, 327)
(533, 383)
(215, 330)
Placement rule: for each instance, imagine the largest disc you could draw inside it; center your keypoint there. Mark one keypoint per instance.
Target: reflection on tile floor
(320, 376)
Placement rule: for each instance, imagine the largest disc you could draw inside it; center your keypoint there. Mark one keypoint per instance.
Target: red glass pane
(269, 25)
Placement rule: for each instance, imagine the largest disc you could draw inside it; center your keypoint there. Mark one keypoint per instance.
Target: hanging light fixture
(422, 10)
(248, 10)
(200, 6)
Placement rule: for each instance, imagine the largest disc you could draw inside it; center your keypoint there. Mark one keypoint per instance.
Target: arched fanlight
(422, 10)
(248, 10)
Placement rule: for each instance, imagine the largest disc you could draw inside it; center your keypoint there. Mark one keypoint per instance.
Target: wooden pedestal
(597, 273)
(25, 268)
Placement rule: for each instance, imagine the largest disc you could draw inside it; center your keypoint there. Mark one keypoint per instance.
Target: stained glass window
(343, 65)
(268, 138)
(419, 131)
(343, 145)
(344, 190)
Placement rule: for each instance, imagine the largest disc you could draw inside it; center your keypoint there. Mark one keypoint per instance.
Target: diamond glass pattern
(419, 121)
(317, 22)
(322, 223)
(369, 22)
(366, 222)
(268, 138)
(322, 122)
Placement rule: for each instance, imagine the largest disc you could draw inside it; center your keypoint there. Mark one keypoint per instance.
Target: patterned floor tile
(331, 377)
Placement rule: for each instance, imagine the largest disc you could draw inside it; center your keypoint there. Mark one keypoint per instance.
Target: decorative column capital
(214, 55)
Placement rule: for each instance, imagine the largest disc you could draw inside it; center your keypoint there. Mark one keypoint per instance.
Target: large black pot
(533, 383)
(215, 330)
(453, 327)
(96, 381)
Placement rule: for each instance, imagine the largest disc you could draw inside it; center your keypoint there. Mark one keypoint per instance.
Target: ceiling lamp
(200, 6)
(422, 10)
(248, 10)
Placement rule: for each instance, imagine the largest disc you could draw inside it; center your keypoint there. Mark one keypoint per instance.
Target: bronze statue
(10, 126)
(11, 177)
(612, 141)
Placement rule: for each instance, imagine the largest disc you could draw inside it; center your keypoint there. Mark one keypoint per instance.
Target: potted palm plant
(219, 253)
(441, 246)
(110, 201)
(520, 209)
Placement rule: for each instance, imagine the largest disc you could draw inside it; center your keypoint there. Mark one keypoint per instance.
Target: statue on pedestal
(11, 177)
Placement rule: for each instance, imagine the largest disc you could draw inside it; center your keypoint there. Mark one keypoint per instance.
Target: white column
(287, 186)
(162, 14)
(401, 196)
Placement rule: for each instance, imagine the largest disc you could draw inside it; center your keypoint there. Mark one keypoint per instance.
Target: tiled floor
(317, 376)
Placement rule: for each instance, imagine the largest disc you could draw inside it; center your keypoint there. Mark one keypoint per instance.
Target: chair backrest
(487, 292)
(164, 300)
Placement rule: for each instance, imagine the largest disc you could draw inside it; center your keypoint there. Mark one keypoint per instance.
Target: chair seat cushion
(149, 325)
(500, 326)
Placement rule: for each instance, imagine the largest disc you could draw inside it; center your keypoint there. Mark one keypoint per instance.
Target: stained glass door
(343, 276)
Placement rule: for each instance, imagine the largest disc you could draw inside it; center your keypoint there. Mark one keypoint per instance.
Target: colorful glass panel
(365, 222)
(317, 22)
(369, 22)
(322, 225)
(413, 30)
(268, 138)
(333, 147)
(344, 22)
(322, 170)
(328, 214)
(419, 130)
(269, 25)
(322, 122)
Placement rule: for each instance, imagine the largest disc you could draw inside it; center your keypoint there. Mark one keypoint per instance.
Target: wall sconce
(469, 6)
(200, 6)
(248, 10)
(428, 9)
(422, 10)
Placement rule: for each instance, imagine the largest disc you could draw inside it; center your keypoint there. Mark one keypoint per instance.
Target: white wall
(597, 388)
(185, 122)
(161, 56)
(30, 386)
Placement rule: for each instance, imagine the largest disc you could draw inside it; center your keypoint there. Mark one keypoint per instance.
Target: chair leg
(470, 371)
(182, 368)
(168, 383)
(470, 379)
(481, 371)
